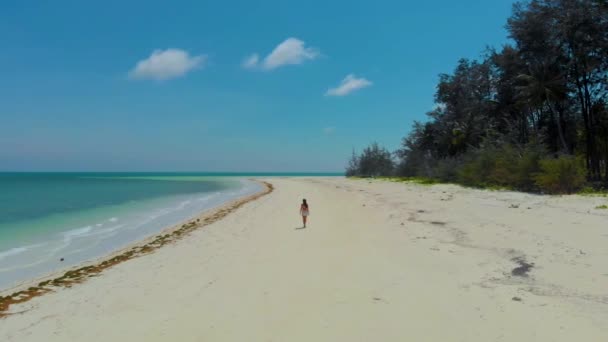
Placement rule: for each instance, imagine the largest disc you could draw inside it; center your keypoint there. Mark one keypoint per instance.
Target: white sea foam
(18, 250)
(204, 198)
(69, 236)
(105, 231)
(111, 229)
(12, 251)
(74, 233)
(101, 237)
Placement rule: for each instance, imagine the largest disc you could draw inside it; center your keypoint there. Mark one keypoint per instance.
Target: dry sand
(379, 262)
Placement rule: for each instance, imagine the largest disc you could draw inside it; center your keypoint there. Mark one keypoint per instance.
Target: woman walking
(304, 211)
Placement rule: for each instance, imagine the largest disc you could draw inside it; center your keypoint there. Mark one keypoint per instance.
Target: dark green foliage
(500, 121)
(446, 170)
(352, 169)
(563, 175)
(528, 166)
(505, 167)
(483, 167)
(374, 161)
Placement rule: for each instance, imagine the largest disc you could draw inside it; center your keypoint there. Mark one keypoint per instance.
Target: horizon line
(228, 172)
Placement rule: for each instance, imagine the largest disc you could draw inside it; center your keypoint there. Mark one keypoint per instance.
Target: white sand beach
(379, 261)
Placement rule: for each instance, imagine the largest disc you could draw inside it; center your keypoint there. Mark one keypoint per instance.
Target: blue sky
(165, 86)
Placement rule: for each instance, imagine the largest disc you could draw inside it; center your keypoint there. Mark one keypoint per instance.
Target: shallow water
(45, 217)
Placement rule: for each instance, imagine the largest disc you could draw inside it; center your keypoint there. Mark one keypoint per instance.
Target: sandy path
(379, 262)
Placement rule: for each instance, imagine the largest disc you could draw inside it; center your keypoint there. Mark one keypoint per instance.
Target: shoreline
(376, 261)
(65, 278)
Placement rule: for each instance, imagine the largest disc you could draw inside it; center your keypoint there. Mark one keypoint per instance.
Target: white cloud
(251, 62)
(291, 51)
(166, 64)
(349, 84)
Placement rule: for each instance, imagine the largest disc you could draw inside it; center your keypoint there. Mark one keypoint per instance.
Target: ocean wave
(18, 250)
(100, 236)
(74, 233)
(12, 251)
(108, 230)
(182, 205)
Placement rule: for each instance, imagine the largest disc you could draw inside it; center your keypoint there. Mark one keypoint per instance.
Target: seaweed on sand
(76, 276)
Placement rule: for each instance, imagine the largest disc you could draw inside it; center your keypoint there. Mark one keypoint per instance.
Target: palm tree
(545, 86)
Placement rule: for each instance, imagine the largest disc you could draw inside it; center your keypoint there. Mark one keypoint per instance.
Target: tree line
(532, 115)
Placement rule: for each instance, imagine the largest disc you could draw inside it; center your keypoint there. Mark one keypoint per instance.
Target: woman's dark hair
(305, 204)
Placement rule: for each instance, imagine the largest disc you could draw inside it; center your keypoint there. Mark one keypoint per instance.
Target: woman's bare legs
(304, 220)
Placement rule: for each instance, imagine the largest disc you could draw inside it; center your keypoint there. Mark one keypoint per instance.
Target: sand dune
(379, 262)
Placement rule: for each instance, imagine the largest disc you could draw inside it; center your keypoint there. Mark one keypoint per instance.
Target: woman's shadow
(299, 228)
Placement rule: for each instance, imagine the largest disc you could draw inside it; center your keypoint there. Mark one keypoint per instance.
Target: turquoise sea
(82, 216)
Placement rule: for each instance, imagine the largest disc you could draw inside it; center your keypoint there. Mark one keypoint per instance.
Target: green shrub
(374, 161)
(446, 170)
(489, 166)
(563, 175)
(413, 180)
(476, 168)
(528, 165)
(591, 191)
(504, 167)
(423, 181)
(504, 171)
